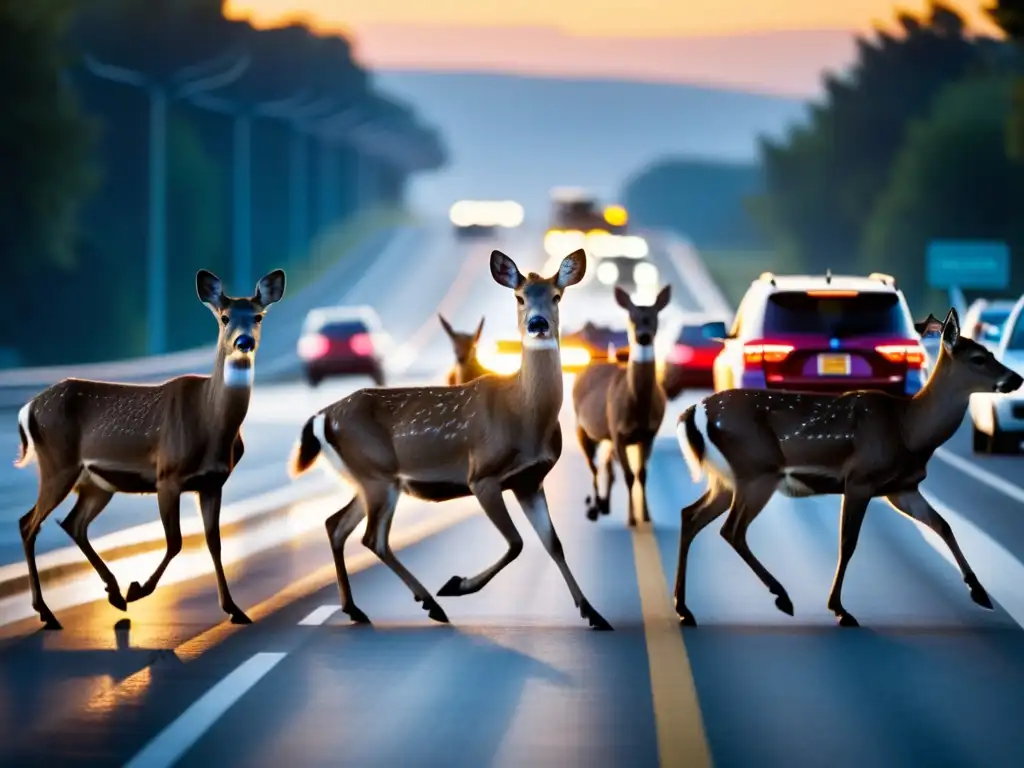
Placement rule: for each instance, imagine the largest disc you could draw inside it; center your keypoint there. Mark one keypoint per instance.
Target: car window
(693, 336)
(863, 314)
(343, 329)
(995, 317)
(1015, 341)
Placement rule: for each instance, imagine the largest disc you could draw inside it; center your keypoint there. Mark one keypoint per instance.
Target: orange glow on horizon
(598, 18)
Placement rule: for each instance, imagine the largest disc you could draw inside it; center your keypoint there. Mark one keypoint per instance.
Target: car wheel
(313, 380)
(980, 442)
(1005, 442)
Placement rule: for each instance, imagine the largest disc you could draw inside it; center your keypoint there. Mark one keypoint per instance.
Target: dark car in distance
(341, 341)
(690, 363)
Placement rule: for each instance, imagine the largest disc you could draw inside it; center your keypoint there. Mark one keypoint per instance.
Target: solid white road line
(176, 739)
(990, 479)
(319, 615)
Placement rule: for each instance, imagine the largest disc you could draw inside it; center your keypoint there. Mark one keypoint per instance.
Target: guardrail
(277, 349)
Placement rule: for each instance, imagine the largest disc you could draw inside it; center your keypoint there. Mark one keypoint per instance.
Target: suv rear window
(693, 336)
(866, 314)
(343, 329)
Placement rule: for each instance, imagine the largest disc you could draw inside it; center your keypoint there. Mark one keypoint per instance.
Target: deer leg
(692, 520)
(622, 451)
(851, 518)
(535, 506)
(52, 491)
(339, 527)
(488, 493)
(914, 505)
(605, 502)
(169, 500)
(589, 451)
(747, 502)
(91, 501)
(641, 476)
(381, 503)
(209, 508)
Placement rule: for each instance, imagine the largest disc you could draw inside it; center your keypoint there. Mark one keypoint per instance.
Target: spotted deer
(861, 445)
(623, 405)
(467, 367)
(436, 443)
(98, 438)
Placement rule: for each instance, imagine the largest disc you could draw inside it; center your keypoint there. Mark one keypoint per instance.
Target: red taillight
(313, 346)
(681, 354)
(911, 354)
(361, 344)
(757, 353)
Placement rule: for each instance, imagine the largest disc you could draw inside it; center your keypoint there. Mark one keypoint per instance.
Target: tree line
(116, 109)
(922, 139)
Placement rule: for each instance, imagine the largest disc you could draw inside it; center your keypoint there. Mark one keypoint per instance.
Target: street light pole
(160, 95)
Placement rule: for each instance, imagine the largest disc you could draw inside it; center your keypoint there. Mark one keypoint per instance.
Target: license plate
(833, 365)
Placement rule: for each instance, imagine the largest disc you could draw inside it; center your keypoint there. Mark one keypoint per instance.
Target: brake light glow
(832, 294)
(911, 354)
(681, 354)
(361, 344)
(313, 346)
(758, 353)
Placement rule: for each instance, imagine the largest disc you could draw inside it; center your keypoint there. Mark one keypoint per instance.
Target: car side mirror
(715, 331)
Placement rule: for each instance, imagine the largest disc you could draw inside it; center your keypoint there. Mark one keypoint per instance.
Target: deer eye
(977, 357)
(257, 319)
(557, 298)
(224, 319)
(521, 300)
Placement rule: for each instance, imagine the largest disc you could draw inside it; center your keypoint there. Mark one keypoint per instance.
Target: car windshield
(342, 329)
(995, 317)
(863, 314)
(1015, 342)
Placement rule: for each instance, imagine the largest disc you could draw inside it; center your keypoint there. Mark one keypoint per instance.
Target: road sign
(968, 264)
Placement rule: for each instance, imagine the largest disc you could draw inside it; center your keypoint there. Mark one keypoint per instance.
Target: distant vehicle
(691, 362)
(342, 341)
(821, 334)
(626, 272)
(985, 319)
(591, 342)
(578, 210)
(482, 218)
(998, 420)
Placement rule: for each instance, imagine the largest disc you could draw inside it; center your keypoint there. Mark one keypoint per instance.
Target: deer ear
(479, 330)
(270, 288)
(444, 324)
(504, 271)
(210, 289)
(664, 296)
(951, 327)
(572, 269)
(622, 298)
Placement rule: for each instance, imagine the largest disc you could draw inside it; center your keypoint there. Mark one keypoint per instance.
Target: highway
(517, 678)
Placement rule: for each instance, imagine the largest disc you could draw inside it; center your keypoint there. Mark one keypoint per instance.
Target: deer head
(240, 321)
(973, 367)
(463, 344)
(537, 297)
(643, 321)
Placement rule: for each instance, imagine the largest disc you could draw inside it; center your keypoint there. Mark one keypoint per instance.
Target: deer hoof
(239, 617)
(595, 619)
(452, 588)
(436, 612)
(847, 620)
(980, 596)
(49, 620)
(356, 615)
(784, 604)
(116, 599)
(685, 617)
(134, 592)
(592, 513)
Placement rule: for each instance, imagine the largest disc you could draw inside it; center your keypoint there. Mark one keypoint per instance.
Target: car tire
(313, 380)
(1004, 442)
(980, 442)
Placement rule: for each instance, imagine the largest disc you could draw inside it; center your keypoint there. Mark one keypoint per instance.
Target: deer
(467, 366)
(862, 444)
(623, 405)
(437, 443)
(98, 438)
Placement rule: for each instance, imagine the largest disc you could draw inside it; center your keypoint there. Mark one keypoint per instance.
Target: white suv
(998, 419)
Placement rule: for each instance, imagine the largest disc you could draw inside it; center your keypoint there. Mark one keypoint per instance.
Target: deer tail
(691, 442)
(307, 447)
(27, 454)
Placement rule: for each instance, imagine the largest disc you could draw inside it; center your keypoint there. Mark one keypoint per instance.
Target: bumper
(322, 369)
(910, 384)
(678, 378)
(1004, 413)
(475, 230)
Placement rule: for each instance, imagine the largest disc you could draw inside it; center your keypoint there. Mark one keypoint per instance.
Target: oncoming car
(997, 420)
(821, 334)
(484, 217)
(342, 341)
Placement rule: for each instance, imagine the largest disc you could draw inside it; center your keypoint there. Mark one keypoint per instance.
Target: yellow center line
(682, 740)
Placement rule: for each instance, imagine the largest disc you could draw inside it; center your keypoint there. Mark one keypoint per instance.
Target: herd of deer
(484, 434)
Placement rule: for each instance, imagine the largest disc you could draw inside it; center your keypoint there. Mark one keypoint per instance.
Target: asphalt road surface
(930, 679)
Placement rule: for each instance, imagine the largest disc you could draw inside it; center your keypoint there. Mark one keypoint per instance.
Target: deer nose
(245, 343)
(643, 339)
(537, 326)
(1009, 383)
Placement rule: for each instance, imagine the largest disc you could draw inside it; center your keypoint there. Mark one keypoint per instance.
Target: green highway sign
(970, 264)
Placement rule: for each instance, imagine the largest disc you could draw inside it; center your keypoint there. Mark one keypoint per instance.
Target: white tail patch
(328, 452)
(714, 463)
(29, 449)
